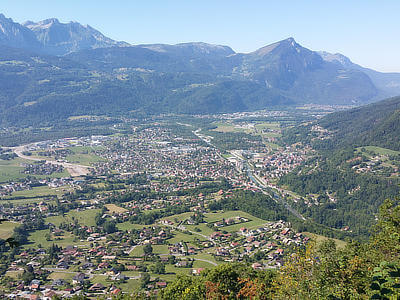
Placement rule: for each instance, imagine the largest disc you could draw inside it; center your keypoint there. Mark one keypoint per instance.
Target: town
(103, 215)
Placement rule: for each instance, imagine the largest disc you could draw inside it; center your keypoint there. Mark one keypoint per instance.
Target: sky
(366, 31)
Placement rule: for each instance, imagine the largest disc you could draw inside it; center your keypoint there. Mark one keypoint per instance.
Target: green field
(37, 238)
(319, 239)
(6, 229)
(211, 218)
(84, 217)
(129, 226)
(205, 256)
(272, 129)
(379, 150)
(137, 252)
(39, 191)
(61, 275)
(11, 170)
(81, 155)
(84, 155)
(253, 223)
(268, 125)
(179, 217)
(227, 127)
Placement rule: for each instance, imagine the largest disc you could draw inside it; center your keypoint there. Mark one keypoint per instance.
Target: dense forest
(376, 124)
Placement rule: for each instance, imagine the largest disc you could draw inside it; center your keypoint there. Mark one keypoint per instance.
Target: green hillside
(376, 124)
(355, 167)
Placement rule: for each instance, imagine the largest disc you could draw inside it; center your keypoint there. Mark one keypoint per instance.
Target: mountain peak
(289, 42)
(50, 21)
(44, 24)
(206, 48)
(336, 58)
(15, 35)
(63, 38)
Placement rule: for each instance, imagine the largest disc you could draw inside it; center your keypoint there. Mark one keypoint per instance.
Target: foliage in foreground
(358, 271)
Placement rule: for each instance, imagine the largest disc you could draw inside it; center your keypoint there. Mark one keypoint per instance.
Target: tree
(109, 226)
(159, 268)
(144, 279)
(147, 250)
(185, 287)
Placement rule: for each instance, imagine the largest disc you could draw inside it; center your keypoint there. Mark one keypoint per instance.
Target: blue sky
(368, 32)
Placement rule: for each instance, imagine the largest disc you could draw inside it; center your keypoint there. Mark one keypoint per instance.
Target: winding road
(73, 169)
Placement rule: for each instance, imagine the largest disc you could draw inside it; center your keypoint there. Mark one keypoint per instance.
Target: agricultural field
(112, 208)
(253, 221)
(228, 127)
(84, 156)
(38, 192)
(37, 239)
(11, 169)
(379, 150)
(84, 217)
(6, 229)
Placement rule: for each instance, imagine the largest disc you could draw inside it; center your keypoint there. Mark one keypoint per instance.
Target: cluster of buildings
(41, 168)
(274, 165)
(161, 154)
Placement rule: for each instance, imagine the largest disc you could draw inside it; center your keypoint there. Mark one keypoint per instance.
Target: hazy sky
(368, 32)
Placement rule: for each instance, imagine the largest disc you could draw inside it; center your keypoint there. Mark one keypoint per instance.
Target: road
(207, 261)
(267, 190)
(73, 169)
(192, 232)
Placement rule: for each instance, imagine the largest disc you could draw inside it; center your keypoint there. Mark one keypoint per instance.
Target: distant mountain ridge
(387, 83)
(63, 69)
(62, 38)
(15, 35)
(52, 37)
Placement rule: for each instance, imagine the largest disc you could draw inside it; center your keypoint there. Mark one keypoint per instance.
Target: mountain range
(51, 70)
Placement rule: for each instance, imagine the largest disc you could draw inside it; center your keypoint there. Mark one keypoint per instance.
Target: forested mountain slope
(355, 168)
(376, 124)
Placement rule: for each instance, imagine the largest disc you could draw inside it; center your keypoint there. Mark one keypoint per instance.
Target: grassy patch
(319, 239)
(38, 191)
(137, 252)
(14, 274)
(160, 249)
(179, 217)
(84, 217)
(6, 229)
(379, 150)
(130, 226)
(115, 209)
(130, 285)
(61, 275)
(37, 238)
(11, 169)
(84, 156)
(206, 256)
